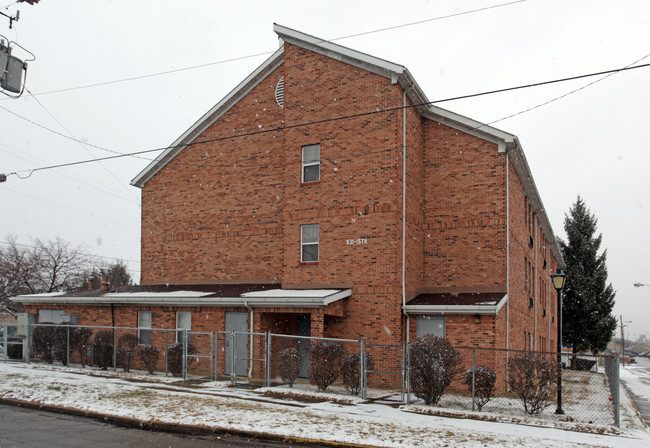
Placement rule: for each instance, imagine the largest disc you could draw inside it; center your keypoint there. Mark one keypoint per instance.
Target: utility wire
(266, 53)
(6, 243)
(85, 148)
(326, 120)
(69, 208)
(389, 28)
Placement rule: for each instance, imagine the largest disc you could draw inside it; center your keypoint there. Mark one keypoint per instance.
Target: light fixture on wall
(477, 318)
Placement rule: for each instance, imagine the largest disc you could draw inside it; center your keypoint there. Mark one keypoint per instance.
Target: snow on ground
(637, 377)
(321, 416)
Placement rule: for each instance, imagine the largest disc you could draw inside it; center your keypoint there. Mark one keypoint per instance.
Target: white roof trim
(484, 310)
(242, 89)
(340, 53)
(270, 298)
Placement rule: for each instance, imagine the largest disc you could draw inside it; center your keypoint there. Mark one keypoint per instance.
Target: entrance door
(237, 322)
(304, 329)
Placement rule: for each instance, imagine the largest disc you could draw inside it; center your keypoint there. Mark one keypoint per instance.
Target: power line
(266, 53)
(326, 120)
(69, 208)
(6, 243)
(389, 28)
(84, 147)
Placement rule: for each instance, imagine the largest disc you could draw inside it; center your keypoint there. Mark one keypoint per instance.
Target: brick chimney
(104, 286)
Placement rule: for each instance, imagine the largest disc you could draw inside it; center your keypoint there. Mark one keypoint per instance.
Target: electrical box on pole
(13, 69)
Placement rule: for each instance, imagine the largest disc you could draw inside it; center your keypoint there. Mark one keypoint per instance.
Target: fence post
(115, 349)
(28, 340)
(212, 377)
(5, 340)
(166, 352)
(473, 378)
(408, 373)
(185, 354)
(363, 373)
(267, 361)
(233, 359)
(617, 393)
(67, 346)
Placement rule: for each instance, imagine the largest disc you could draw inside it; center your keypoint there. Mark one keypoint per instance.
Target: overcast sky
(591, 143)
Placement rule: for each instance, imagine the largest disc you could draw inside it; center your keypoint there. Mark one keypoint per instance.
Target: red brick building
(325, 196)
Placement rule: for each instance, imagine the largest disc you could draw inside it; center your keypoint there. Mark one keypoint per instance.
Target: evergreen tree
(587, 321)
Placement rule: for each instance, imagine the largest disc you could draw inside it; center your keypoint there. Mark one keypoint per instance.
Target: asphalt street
(22, 428)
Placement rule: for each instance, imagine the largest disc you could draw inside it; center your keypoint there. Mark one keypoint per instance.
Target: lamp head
(558, 279)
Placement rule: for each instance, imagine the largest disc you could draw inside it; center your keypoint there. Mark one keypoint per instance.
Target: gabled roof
(397, 74)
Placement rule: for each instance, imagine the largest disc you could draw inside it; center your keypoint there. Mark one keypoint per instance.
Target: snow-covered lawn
(282, 412)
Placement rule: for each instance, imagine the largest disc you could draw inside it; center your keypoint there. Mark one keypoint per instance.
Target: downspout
(507, 250)
(250, 344)
(535, 293)
(408, 320)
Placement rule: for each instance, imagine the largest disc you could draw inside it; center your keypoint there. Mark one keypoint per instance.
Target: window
(49, 316)
(434, 325)
(311, 163)
(309, 243)
(144, 327)
(183, 322)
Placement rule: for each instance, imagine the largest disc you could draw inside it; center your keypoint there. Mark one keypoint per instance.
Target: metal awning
(484, 303)
(293, 298)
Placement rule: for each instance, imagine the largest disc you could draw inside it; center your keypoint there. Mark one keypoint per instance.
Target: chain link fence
(178, 353)
(492, 381)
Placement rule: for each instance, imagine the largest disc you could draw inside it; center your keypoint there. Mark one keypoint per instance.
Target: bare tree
(43, 266)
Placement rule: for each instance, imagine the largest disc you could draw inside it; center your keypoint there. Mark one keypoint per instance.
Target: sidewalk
(168, 404)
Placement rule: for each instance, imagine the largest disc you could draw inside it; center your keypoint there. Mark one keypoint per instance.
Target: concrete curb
(176, 428)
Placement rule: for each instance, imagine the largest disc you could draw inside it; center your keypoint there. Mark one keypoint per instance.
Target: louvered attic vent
(279, 92)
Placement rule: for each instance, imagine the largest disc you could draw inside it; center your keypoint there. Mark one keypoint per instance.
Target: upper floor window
(311, 163)
(309, 243)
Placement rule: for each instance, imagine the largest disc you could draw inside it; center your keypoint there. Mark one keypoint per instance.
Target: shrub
(149, 356)
(61, 342)
(325, 362)
(484, 382)
(103, 349)
(44, 342)
(289, 360)
(434, 366)
(351, 371)
(175, 358)
(532, 378)
(80, 338)
(15, 351)
(126, 348)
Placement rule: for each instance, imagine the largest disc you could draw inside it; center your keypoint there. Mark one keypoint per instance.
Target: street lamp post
(559, 279)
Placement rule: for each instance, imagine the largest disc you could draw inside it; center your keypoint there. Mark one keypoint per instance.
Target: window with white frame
(309, 243)
(311, 163)
(434, 325)
(50, 316)
(144, 327)
(183, 322)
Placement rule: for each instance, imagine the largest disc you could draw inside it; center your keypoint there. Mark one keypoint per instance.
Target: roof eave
(484, 310)
(209, 118)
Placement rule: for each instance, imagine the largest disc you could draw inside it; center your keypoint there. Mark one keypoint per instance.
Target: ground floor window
(144, 327)
(434, 325)
(49, 316)
(183, 322)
